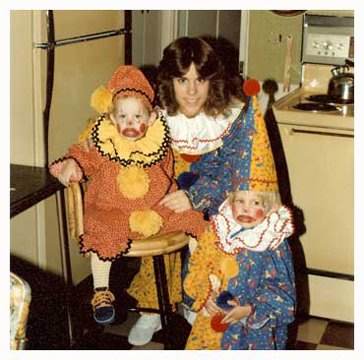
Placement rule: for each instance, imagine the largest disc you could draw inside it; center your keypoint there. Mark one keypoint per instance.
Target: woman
(204, 108)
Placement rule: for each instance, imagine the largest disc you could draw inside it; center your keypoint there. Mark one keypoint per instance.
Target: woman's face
(191, 92)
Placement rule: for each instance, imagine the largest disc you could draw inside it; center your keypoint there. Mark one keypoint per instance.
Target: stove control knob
(327, 45)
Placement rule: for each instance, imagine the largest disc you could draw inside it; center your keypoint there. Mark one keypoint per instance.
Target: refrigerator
(57, 59)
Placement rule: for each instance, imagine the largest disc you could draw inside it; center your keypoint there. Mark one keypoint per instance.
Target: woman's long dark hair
(176, 61)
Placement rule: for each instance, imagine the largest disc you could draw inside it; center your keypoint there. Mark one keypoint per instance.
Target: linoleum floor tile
(339, 334)
(124, 328)
(312, 330)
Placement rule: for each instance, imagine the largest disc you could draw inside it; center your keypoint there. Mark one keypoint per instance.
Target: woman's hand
(237, 313)
(177, 201)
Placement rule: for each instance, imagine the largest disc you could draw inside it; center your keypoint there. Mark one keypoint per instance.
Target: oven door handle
(324, 133)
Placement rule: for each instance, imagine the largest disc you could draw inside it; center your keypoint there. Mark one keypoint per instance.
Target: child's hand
(69, 172)
(211, 306)
(237, 313)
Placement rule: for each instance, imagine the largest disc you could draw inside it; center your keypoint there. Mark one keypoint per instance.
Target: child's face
(131, 117)
(247, 208)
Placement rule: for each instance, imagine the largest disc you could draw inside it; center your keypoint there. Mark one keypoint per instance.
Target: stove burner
(315, 107)
(323, 98)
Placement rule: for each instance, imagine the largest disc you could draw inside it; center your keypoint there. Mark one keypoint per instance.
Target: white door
(153, 30)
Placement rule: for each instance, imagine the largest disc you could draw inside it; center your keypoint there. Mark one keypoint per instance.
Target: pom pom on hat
(101, 100)
(251, 87)
(127, 80)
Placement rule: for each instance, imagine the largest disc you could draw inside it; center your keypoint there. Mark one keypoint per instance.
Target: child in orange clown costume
(241, 274)
(129, 166)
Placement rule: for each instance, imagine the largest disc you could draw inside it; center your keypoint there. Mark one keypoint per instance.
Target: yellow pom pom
(229, 267)
(133, 182)
(145, 222)
(101, 100)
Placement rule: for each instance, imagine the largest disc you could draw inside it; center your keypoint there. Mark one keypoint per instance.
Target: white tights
(100, 271)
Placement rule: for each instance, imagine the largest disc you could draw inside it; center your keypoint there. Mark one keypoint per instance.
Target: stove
(328, 41)
(327, 99)
(311, 106)
(316, 106)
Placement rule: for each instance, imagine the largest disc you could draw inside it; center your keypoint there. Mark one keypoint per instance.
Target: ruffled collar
(202, 133)
(145, 152)
(267, 235)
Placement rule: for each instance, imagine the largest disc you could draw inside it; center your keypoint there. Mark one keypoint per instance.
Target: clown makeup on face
(131, 117)
(248, 208)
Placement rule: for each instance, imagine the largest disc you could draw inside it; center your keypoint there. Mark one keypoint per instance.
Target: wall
(267, 45)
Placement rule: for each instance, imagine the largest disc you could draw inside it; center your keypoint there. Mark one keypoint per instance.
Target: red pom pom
(190, 158)
(251, 87)
(216, 323)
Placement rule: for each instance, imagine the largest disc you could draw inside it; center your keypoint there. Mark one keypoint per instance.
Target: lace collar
(145, 152)
(267, 235)
(202, 133)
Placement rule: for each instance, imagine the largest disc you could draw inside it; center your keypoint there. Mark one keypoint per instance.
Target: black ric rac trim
(161, 153)
(134, 90)
(103, 258)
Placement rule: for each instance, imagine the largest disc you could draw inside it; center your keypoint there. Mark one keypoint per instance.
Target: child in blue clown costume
(240, 276)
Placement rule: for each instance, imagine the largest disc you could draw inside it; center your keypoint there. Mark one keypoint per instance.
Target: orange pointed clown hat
(253, 165)
(127, 80)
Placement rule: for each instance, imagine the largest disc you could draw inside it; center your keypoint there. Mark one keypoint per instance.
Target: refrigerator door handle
(50, 81)
(82, 38)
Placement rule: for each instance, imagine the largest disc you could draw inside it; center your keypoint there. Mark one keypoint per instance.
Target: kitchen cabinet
(321, 174)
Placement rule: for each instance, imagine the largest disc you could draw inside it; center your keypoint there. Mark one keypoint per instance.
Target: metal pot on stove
(341, 85)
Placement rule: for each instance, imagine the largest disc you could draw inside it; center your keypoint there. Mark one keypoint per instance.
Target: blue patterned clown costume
(265, 280)
(261, 276)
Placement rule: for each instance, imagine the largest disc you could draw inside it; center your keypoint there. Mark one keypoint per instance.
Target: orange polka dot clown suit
(126, 179)
(253, 265)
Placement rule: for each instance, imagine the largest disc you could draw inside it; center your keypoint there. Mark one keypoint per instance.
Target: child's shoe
(104, 312)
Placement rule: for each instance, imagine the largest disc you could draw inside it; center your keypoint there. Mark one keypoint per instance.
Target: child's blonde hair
(269, 199)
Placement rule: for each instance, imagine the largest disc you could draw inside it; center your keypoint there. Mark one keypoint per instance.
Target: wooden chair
(20, 296)
(155, 246)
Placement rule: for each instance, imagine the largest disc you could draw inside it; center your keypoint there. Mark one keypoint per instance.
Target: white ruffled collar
(267, 235)
(200, 134)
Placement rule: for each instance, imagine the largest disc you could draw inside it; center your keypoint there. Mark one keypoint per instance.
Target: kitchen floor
(312, 334)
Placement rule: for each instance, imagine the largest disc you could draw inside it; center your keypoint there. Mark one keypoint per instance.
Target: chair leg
(66, 265)
(165, 307)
